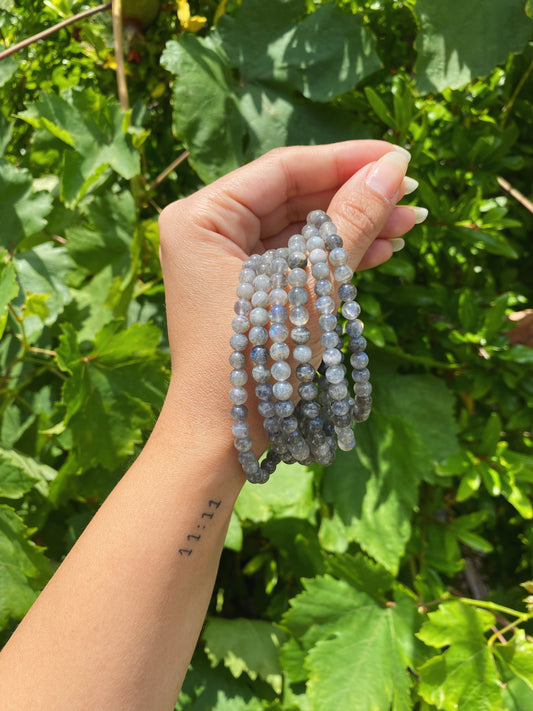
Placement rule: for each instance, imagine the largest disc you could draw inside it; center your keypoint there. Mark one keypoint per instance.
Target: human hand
(206, 237)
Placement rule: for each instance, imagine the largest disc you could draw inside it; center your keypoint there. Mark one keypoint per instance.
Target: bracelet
(271, 309)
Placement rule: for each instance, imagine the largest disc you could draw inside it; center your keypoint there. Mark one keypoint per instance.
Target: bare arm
(116, 626)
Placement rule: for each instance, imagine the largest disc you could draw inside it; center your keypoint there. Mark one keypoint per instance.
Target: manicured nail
(387, 174)
(421, 214)
(409, 185)
(397, 244)
(402, 150)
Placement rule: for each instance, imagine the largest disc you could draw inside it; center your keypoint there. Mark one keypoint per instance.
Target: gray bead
(240, 429)
(297, 259)
(320, 270)
(278, 332)
(259, 355)
(261, 374)
(329, 339)
(296, 243)
(240, 324)
(328, 228)
(238, 396)
(342, 420)
(309, 231)
(238, 377)
(308, 391)
(262, 283)
(325, 305)
(363, 389)
(302, 354)
(310, 410)
(305, 372)
(297, 277)
(347, 292)
(299, 316)
(282, 253)
(258, 336)
(278, 314)
(260, 299)
(335, 373)
(263, 391)
(341, 407)
(279, 281)
(266, 408)
(279, 351)
(238, 342)
(343, 273)
(247, 275)
(358, 361)
(237, 360)
(278, 296)
(346, 442)
(239, 412)
(317, 218)
(338, 391)
(323, 287)
(300, 335)
(357, 344)
(283, 408)
(337, 257)
(258, 316)
(243, 444)
(281, 370)
(278, 266)
(332, 356)
(242, 307)
(315, 242)
(245, 290)
(332, 241)
(327, 322)
(351, 310)
(354, 328)
(282, 391)
(318, 256)
(361, 376)
(268, 467)
(298, 296)
(289, 424)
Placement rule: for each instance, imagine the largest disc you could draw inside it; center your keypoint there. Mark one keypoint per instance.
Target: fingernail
(397, 244)
(402, 151)
(421, 214)
(386, 176)
(409, 185)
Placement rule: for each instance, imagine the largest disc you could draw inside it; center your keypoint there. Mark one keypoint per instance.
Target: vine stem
(493, 607)
(168, 170)
(50, 31)
(513, 192)
(116, 14)
(508, 628)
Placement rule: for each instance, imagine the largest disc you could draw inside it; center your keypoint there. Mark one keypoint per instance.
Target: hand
(206, 237)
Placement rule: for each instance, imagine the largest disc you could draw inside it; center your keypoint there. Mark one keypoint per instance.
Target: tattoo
(196, 536)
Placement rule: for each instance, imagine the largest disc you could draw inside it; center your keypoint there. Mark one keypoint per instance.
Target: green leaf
(8, 67)
(8, 290)
(493, 242)
(459, 41)
(250, 646)
(19, 473)
(491, 434)
(464, 676)
(22, 211)
(23, 567)
(289, 493)
(517, 657)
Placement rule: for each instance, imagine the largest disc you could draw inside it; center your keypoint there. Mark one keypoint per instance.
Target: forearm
(117, 625)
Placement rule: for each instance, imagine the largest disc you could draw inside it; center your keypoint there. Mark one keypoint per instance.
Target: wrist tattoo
(205, 517)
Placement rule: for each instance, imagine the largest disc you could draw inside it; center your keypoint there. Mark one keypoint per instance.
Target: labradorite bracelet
(271, 312)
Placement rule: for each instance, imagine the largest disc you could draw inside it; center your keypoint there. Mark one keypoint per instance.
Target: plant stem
(168, 170)
(492, 606)
(116, 14)
(50, 31)
(513, 192)
(511, 626)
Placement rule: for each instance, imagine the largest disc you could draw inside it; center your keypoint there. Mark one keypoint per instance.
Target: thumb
(361, 207)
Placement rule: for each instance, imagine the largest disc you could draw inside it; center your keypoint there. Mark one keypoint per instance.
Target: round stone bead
(279, 266)
(278, 314)
(338, 391)
(338, 256)
(343, 273)
(315, 242)
(240, 429)
(308, 391)
(335, 373)
(297, 296)
(278, 296)
(320, 270)
(278, 332)
(361, 376)
(239, 412)
(354, 328)
(327, 322)
(242, 307)
(282, 391)
(260, 299)
(238, 377)
(358, 361)
(350, 310)
(282, 252)
(240, 324)
(325, 305)
(238, 396)
(323, 287)
(261, 374)
(266, 408)
(357, 344)
(283, 408)
(237, 360)
(332, 356)
(309, 231)
(345, 438)
(279, 281)
(296, 243)
(263, 391)
(340, 407)
(327, 228)
(362, 389)
(317, 218)
(332, 241)
(329, 339)
(310, 410)
(305, 372)
(268, 467)
(299, 316)
(259, 355)
(243, 444)
(300, 335)
(318, 255)
(302, 354)
(262, 283)
(297, 277)
(258, 336)
(289, 424)
(238, 341)
(245, 290)
(281, 370)
(279, 351)
(247, 275)
(258, 316)
(347, 292)
(297, 259)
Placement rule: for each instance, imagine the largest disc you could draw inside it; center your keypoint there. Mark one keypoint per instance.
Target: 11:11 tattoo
(205, 518)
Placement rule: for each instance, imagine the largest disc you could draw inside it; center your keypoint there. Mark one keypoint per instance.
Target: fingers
(364, 208)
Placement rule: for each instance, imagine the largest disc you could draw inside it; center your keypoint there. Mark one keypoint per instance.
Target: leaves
(22, 210)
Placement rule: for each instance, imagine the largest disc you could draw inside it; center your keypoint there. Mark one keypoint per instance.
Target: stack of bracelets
(323, 418)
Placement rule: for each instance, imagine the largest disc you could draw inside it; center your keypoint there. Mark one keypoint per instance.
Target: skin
(116, 626)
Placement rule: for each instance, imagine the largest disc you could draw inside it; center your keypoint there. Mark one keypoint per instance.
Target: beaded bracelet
(272, 293)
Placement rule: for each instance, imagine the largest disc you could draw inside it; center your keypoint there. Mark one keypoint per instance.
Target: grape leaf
(23, 567)
(19, 473)
(459, 41)
(8, 290)
(22, 210)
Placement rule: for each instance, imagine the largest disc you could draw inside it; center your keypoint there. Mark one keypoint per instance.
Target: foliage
(390, 580)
